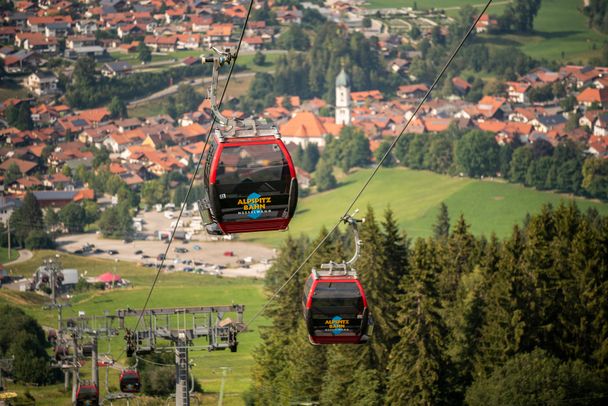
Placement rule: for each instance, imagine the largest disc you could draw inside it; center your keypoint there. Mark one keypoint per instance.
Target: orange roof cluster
(591, 95)
(305, 125)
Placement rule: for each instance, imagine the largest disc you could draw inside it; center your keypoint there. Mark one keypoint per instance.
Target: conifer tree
(418, 362)
(377, 285)
(459, 256)
(441, 228)
(351, 379)
(508, 301)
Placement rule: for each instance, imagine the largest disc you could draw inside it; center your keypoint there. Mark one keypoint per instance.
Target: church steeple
(343, 98)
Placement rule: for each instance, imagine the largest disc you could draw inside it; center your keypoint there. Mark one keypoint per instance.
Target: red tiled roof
(24, 166)
(303, 124)
(590, 95)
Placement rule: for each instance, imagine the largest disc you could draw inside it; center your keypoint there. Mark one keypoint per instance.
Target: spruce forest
(458, 319)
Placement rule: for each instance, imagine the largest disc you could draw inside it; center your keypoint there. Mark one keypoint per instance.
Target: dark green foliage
(118, 108)
(22, 337)
(259, 58)
(381, 151)
(294, 38)
(12, 174)
(324, 177)
(350, 150)
(417, 368)
(260, 94)
(441, 228)
(73, 217)
(20, 117)
(477, 154)
(116, 222)
(27, 219)
(519, 16)
(101, 156)
(461, 320)
(597, 13)
(88, 90)
(595, 177)
(157, 380)
(143, 53)
(539, 378)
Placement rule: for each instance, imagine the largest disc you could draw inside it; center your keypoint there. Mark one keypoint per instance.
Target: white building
(343, 101)
(42, 83)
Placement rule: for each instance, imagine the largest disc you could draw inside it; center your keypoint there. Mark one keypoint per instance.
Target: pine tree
(378, 285)
(441, 228)
(509, 302)
(460, 255)
(27, 218)
(351, 377)
(324, 177)
(418, 363)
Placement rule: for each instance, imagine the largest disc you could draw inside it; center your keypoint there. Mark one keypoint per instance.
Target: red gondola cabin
(130, 381)
(87, 395)
(250, 184)
(335, 310)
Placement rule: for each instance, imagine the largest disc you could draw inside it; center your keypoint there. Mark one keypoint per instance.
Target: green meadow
(561, 34)
(414, 196)
(172, 290)
(561, 30)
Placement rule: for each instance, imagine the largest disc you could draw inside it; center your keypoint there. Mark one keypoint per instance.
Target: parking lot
(238, 258)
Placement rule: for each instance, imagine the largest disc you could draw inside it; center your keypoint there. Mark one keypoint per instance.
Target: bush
(38, 239)
(539, 378)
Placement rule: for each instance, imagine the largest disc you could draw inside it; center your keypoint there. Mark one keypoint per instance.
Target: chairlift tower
(181, 326)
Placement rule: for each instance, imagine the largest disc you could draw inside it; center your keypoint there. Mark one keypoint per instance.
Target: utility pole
(5, 363)
(8, 222)
(95, 371)
(75, 369)
(225, 371)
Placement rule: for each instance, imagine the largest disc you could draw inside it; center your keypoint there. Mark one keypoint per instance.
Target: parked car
(145, 256)
(139, 252)
(98, 251)
(160, 257)
(196, 248)
(228, 253)
(181, 250)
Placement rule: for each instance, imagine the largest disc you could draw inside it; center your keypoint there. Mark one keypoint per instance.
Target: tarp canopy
(109, 277)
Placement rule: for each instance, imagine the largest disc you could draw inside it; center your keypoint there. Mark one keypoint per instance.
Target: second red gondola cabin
(130, 382)
(335, 310)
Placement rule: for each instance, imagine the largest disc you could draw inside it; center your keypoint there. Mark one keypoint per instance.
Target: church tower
(342, 98)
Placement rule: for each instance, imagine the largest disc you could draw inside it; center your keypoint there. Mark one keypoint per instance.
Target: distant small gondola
(130, 381)
(87, 395)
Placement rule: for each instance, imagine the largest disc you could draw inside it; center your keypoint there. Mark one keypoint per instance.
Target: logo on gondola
(336, 325)
(254, 206)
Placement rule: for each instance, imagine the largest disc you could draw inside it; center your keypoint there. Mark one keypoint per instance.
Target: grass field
(245, 60)
(4, 255)
(238, 86)
(561, 34)
(561, 29)
(173, 290)
(414, 196)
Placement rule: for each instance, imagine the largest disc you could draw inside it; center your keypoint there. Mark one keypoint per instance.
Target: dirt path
(24, 255)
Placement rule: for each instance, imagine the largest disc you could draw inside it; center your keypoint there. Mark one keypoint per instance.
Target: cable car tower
(249, 178)
(181, 326)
